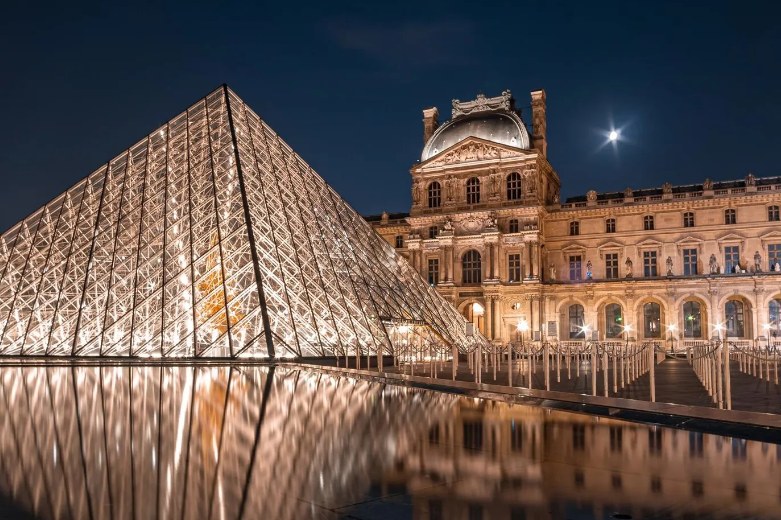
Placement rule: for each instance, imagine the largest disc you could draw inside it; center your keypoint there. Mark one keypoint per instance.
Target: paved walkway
(676, 383)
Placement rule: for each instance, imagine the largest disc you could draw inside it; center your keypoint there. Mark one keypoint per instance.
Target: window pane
(576, 321)
(733, 312)
(514, 186)
(611, 265)
(614, 321)
(649, 263)
(574, 267)
(689, 262)
(471, 267)
(731, 259)
(433, 271)
(692, 321)
(514, 268)
(653, 320)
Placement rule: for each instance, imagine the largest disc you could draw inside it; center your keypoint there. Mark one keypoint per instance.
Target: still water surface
(141, 442)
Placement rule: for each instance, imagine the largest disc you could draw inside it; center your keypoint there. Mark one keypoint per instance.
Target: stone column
(497, 315)
(530, 256)
(523, 261)
(489, 301)
(533, 269)
(450, 256)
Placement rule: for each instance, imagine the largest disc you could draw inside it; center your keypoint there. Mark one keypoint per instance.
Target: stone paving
(676, 383)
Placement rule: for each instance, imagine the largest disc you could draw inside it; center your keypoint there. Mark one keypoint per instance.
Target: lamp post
(671, 329)
(522, 327)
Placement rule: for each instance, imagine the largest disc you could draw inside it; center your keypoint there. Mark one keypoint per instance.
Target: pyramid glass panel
(211, 237)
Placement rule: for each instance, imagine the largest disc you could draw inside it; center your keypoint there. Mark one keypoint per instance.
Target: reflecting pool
(229, 442)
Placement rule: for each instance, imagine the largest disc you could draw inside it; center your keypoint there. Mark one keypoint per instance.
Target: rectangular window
(611, 265)
(610, 225)
(433, 271)
(514, 268)
(689, 262)
(773, 256)
(649, 263)
(688, 219)
(731, 259)
(574, 267)
(432, 232)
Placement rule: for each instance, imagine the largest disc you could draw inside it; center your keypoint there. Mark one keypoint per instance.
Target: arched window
(729, 216)
(614, 321)
(574, 228)
(576, 321)
(692, 320)
(648, 223)
(473, 191)
(774, 318)
(471, 269)
(514, 186)
(652, 318)
(688, 219)
(733, 313)
(610, 225)
(512, 226)
(772, 214)
(434, 195)
(399, 241)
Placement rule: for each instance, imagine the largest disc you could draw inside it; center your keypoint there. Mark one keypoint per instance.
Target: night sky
(694, 87)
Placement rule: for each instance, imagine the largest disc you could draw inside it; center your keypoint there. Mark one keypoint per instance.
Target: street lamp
(719, 327)
(671, 329)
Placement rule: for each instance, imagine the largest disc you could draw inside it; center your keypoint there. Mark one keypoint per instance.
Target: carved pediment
(772, 235)
(473, 149)
(610, 244)
(648, 243)
(731, 237)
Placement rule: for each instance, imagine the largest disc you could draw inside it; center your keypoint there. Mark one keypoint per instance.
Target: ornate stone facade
(677, 263)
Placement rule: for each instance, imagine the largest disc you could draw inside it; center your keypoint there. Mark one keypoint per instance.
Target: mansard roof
(684, 188)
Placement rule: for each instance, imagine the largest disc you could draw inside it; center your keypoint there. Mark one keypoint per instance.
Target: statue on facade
(490, 221)
(628, 192)
(589, 267)
(707, 185)
(591, 196)
(628, 265)
(667, 188)
(384, 218)
(448, 225)
(669, 266)
(552, 269)
(777, 268)
(450, 186)
(757, 262)
(416, 193)
(556, 198)
(751, 180)
(495, 184)
(713, 264)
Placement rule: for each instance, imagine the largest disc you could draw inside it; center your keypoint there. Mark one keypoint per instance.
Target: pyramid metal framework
(210, 237)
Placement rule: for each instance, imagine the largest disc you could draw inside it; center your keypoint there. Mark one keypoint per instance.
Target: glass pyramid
(210, 237)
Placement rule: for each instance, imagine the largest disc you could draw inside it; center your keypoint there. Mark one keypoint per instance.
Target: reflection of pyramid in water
(210, 237)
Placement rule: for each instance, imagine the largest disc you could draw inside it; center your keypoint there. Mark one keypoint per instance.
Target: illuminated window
(471, 267)
(774, 318)
(692, 320)
(689, 262)
(434, 195)
(649, 263)
(473, 191)
(614, 321)
(611, 265)
(733, 312)
(652, 315)
(773, 256)
(514, 186)
(576, 322)
(575, 267)
(731, 259)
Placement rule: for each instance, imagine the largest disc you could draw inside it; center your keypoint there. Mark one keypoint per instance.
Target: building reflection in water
(199, 442)
(225, 442)
(491, 460)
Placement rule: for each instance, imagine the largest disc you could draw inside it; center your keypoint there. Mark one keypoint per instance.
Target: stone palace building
(487, 227)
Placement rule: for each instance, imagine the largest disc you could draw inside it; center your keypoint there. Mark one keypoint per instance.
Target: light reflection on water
(245, 442)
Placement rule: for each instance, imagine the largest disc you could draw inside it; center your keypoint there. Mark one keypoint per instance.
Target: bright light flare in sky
(613, 135)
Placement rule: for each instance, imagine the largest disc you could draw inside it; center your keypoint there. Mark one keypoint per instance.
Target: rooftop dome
(500, 127)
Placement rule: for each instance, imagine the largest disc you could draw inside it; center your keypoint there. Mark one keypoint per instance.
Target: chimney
(430, 123)
(539, 122)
